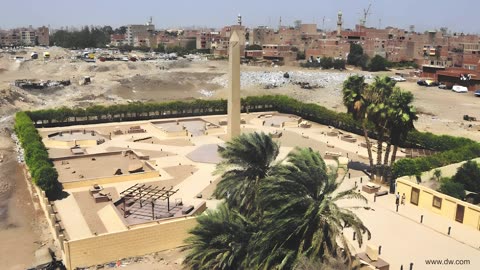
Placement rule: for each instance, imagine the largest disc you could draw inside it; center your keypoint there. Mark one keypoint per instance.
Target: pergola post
(124, 208)
(153, 210)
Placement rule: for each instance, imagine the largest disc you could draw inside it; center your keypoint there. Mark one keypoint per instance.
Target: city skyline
(425, 15)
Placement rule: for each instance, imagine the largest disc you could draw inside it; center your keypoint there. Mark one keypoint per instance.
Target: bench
(381, 193)
(187, 209)
(370, 188)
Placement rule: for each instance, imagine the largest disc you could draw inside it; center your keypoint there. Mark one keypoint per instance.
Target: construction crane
(366, 12)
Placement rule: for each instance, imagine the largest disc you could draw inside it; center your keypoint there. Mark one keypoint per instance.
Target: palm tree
(377, 112)
(356, 99)
(401, 116)
(219, 241)
(302, 215)
(247, 160)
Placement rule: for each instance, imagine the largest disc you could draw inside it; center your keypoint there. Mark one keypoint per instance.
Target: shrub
(469, 176)
(378, 63)
(453, 189)
(36, 155)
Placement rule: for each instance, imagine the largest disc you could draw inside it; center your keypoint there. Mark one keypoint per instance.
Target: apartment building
(136, 33)
(25, 37)
(43, 36)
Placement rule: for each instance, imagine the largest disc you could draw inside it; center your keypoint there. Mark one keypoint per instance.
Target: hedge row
(36, 157)
(415, 166)
(452, 149)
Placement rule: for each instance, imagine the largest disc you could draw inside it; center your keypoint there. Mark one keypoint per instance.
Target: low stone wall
(108, 180)
(215, 130)
(172, 134)
(134, 242)
(69, 144)
(293, 123)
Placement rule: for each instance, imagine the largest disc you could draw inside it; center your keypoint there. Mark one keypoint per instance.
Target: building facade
(137, 34)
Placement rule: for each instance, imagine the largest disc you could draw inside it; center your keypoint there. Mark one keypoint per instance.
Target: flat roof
(77, 168)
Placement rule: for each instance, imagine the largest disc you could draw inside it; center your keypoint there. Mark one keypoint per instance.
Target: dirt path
(20, 223)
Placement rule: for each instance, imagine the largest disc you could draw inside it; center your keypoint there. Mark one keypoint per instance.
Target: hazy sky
(459, 15)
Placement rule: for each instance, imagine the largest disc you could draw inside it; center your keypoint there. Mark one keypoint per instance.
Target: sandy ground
(440, 111)
(23, 227)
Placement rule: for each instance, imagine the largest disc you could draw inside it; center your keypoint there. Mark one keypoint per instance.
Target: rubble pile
(206, 93)
(18, 148)
(275, 79)
(28, 84)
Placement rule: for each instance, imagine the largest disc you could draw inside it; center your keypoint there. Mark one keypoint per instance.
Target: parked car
(477, 93)
(442, 86)
(431, 83)
(398, 78)
(459, 89)
(421, 82)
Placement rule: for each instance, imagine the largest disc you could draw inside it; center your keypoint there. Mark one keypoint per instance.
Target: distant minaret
(339, 24)
(239, 19)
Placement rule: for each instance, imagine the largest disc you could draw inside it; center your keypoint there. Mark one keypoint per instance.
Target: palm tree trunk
(394, 155)
(369, 148)
(385, 160)
(379, 155)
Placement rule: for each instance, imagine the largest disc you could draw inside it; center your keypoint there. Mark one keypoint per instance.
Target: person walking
(403, 199)
(397, 198)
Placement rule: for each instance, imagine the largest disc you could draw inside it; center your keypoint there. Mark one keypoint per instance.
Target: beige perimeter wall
(109, 180)
(449, 204)
(134, 242)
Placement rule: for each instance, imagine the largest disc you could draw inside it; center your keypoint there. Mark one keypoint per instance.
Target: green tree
(356, 99)
(326, 62)
(469, 176)
(401, 115)
(378, 108)
(338, 63)
(191, 45)
(400, 123)
(121, 30)
(452, 188)
(220, 241)
(356, 57)
(247, 160)
(47, 179)
(378, 63)
(303, 216)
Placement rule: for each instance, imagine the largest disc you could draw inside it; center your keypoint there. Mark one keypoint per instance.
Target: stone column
(233, 128)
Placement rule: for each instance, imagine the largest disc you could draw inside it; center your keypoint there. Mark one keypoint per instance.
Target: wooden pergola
(142, 193)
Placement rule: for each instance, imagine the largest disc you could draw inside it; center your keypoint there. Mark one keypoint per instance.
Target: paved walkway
(72, 218)
(405, 240)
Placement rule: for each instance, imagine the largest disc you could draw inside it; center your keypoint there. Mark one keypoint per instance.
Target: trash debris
(269, 80)
(18, 148)
(30, 84)
(206, 93)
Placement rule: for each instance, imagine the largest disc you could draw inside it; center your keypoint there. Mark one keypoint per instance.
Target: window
(415, 196)
(437, 202)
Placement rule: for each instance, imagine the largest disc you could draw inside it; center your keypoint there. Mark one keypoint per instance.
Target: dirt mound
(131, 66)
(102, 69)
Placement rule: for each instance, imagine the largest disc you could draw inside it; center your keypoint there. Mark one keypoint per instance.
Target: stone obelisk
(233, 128)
